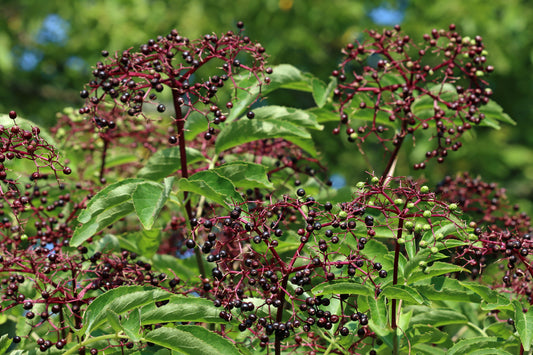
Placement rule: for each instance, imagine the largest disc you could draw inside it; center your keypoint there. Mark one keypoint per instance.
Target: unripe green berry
(422, 263)
(418, 227)
(472, 237)
(439, 236)
(422, 244)
(426, 214)
(343, 214)
(374, 180)
(398, 202)
(360, 185)
(410, 205)
(426, 227)
(434, 250)
(424, 189)
(409, 225)
(452, 206)
(401, 241)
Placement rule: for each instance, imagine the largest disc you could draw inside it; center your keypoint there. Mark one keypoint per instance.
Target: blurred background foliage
(47, 49)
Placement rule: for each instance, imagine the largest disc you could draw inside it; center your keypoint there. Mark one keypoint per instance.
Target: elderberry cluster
(389, 87)
(274, 293)
(500, 233)
(133, 78)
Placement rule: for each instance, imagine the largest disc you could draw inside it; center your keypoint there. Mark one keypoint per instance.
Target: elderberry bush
(179, 210)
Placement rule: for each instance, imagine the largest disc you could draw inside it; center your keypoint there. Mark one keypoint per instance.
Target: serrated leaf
(191, 339)
(283, 76)
(132, 325)
(148, 200)
(105, 208)
(439, 317)
(5, 342)
(470, 345)
(494, 114)
(488, 295)
(445, 289)
(119, 200)
(403, 292)
(167, 161)
(438, 268)
(524, 324)
(421, 333)
(245, 175)
(350, 288)
(244, 131)
(120, 300)
(183, 268)
(378, 311)
(195, 124)
(212, 185)
(295, 116)
(113, 320)
(184, 309)
(321, 92)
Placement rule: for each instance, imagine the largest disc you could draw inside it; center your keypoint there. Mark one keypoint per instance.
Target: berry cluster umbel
(391, 87)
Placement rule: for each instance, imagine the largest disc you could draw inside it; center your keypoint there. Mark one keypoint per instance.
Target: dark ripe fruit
(377, 266)
(300, 192)
(172, 140)
(16, 339)
(12, 114)
(67, 170)
(382, 274)
(344, 331)
(190, 243)
(250, 114)
(328, 206)
(161, 108)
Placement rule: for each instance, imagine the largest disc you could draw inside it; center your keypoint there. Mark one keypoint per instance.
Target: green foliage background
(306, 33)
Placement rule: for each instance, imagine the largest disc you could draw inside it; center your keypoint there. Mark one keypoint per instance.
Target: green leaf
(120, 300)
(245, 175)
(470, 345)
(350, 288)
(146, 242)
(183, 268)
(148, 200)
(428, 349)
(244, 131)
(105, 208)
(212, 185)
(445, 289)
(424, 105)
(489, 296)
(132, 325)
(403, 292)
(288, 114)
(195, 124)
(321, 92)
(524, 324)
(191, 339)
(324, 114)
(494, 114)
(184, 309)
(378, 311)
(119, 200)
(113, 320)
(167, 161)
(438, 317)
(283, 76)
(422, 333)
(5, 342)
(438, 268)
